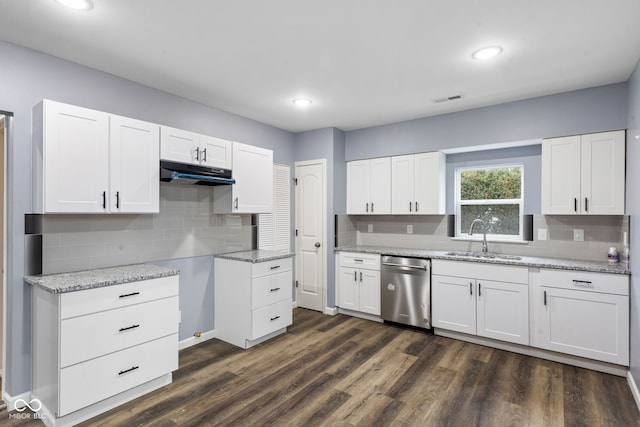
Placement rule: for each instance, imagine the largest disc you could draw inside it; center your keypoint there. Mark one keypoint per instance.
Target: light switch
(542, 234)
(409, 229)
(578, 234)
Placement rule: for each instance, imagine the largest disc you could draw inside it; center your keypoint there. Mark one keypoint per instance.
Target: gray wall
(529, 156)
(590, 110)
(26, 78)
(633, 210)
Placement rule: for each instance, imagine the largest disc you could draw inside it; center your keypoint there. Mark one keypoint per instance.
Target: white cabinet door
(429, 179)
(561, 175)
(402, 182)
(215, 152)
(179, 145)
(454, 303)
(369, 283)
(358, 187)
(135, 166)
(503, 311)
(75, 159)
(348, 291)
(603, 173)
(584, 174)
(380, 182)
(586, 324)
(253, 172)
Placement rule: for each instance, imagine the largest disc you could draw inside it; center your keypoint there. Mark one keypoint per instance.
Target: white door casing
(311, 247)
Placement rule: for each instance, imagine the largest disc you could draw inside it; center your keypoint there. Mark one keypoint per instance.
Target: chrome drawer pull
(133, 368)
(129, 295)
(275, 267)
(358, 260)
(582, 283)
(274, 289)
(275, 318)
(129, 327)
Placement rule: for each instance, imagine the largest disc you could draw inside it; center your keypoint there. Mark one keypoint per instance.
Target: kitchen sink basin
(488, 255)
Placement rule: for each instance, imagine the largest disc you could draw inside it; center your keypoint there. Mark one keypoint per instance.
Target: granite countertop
(254, 256)
(536, 262)
(89, 279)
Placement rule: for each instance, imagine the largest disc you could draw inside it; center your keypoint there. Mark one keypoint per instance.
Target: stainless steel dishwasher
(405, 290)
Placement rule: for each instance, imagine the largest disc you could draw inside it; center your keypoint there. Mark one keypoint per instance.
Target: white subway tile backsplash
(185, 227)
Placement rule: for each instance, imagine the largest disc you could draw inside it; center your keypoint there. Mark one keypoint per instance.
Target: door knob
(317, 245)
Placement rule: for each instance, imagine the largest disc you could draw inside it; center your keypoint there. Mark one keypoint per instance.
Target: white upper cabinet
(418, 184)
(72, 154)
(253, 190)
(182, 146)
(369, 186)
(584, 174)
(134, 173)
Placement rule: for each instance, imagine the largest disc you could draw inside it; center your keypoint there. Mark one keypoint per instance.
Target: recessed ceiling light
(302, 102)
(77, 4)
(487, 52)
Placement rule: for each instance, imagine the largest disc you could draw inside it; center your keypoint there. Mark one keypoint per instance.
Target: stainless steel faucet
(485, 247)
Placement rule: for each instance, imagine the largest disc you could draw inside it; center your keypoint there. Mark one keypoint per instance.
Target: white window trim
(494, 237)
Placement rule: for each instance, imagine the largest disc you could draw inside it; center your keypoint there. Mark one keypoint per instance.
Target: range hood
(194, 174)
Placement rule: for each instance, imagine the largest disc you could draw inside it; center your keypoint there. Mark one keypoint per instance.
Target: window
(493, 194)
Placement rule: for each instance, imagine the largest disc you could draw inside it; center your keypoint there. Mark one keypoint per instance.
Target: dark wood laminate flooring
(341, 371)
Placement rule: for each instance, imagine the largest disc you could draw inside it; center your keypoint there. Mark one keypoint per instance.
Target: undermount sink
(484, 255)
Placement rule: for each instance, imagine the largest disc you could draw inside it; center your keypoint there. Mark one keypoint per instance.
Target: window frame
(458, 204)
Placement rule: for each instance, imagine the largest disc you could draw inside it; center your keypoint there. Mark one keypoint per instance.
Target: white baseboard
(634, 388)
(361, 315)
(331, 311)
(11, 400)
(191, 341)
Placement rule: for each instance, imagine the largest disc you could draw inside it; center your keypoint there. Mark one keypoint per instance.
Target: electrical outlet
(542, 234)
(578, 234)
(409, 229)
(369, 228)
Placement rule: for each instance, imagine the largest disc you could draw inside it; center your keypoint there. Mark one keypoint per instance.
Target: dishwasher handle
(416, 267)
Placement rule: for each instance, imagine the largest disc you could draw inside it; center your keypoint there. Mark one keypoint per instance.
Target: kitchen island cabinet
(253, 296)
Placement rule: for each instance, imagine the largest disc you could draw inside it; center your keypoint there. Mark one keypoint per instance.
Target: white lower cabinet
(490, 301)
(253, 301)
(583, 314)
(359, 282)
(94, 344)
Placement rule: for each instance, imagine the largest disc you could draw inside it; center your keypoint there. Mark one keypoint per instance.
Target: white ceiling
(362, 62)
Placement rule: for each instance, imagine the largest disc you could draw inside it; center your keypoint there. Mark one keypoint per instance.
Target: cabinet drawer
(360, 260)
(86, 383)
(110, 297)
(271, 318)
(271, 267)
(86, 337)
(270, 289)
(617, 284)
(481, 271)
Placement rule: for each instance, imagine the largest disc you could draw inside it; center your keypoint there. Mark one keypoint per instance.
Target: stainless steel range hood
(194, 174)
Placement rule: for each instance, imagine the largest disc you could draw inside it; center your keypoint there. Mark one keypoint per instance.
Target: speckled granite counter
(258, 255)
(81, 280)
(560, 264)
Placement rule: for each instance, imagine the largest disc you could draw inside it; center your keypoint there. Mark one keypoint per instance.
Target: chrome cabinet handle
(275, 267)
(355, 276)
(410, 207)
(416, 206)
(361, 277)
(236, 204)
(545, 298)
(198, 154)
(104, 200)
(204, 155)
(274, 289)
(366, 209)
(479, 289)
(586, 204)
(117, 200)
(371, 207)
(275, 318)
(470, 288)
(585, 283)
(575, 204)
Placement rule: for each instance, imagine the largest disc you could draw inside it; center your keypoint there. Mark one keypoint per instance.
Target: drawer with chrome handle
(617, 284)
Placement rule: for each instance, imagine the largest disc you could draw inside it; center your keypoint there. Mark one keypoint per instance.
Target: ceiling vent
(447, 99)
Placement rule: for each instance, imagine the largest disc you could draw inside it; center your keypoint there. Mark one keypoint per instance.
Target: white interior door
(311, 250)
